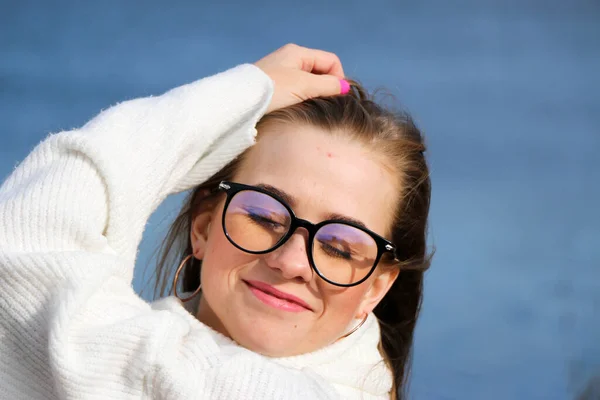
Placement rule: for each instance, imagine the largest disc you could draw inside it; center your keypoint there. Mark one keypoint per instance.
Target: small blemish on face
(329, 155)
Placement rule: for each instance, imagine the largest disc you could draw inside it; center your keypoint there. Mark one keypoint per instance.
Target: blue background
(506, 91)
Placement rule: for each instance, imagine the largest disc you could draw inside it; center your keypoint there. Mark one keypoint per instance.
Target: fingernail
(345, 86)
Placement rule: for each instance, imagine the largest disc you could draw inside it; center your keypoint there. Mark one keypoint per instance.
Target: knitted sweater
(71, 219)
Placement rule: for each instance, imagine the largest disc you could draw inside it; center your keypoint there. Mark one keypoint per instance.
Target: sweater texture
(72, 216)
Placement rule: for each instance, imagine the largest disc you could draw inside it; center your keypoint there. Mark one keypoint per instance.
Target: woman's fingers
(300, 73)
(305, 59)
(323, 85)
(321, 62)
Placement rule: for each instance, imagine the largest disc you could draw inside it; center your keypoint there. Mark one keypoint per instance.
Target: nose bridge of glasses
(308, 228)
(301, 227)
(307, 225)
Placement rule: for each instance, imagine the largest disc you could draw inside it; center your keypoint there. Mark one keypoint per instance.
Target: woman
(287, 305)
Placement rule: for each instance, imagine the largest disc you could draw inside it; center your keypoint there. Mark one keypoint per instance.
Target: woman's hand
(300, 73)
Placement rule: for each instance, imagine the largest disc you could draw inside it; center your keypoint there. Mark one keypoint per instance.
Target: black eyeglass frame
(383, 245)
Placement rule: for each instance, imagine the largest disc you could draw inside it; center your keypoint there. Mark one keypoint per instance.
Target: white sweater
(71, 219)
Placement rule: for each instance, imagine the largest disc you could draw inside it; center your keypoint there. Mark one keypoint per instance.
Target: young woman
(308, 247)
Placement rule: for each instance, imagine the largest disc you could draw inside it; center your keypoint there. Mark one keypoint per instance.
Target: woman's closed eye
(263, 218)
(335, 250)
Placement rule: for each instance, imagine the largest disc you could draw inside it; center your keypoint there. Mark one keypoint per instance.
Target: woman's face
(324, 175)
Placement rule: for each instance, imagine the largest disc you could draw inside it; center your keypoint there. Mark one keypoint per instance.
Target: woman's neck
(206, 315)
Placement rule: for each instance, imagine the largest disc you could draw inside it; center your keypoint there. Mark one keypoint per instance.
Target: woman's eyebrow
(345, 218)
(288, 198)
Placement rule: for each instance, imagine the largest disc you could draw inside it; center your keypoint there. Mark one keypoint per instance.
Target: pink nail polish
(345, 86)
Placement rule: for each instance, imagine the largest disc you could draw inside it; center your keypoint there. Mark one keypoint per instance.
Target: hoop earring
(179, 269)
(355, 328)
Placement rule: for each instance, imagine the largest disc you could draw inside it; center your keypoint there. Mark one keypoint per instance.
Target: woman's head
(343, 158)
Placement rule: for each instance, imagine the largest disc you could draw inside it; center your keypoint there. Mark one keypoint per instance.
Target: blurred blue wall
(507, 92)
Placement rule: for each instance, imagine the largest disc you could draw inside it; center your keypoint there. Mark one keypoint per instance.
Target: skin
(293, 159)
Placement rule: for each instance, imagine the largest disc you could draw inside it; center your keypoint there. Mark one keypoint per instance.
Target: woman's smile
(276, 298)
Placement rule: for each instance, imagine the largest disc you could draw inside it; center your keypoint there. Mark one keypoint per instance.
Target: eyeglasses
(340, 252)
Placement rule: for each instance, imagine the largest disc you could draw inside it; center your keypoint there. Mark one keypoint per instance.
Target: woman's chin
(267, 345)
(264, 341)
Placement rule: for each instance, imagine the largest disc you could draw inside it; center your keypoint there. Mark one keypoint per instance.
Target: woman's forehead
(324, 174)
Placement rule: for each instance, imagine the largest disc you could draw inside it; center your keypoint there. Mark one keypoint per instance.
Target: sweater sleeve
(71, 219)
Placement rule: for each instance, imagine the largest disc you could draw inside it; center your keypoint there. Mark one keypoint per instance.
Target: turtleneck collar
(353, 364)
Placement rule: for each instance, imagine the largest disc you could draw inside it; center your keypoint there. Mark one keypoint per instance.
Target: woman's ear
(199, 233)
(379, 287)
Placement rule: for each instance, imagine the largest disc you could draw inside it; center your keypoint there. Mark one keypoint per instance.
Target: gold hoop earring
(175, 292)
(355, 328)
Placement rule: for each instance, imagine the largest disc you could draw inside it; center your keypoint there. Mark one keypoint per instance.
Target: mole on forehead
(329, 154)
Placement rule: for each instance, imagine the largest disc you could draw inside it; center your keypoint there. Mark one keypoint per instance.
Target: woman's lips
(276, 298)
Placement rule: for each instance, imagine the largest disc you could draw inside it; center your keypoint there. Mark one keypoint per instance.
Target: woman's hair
(391, 134)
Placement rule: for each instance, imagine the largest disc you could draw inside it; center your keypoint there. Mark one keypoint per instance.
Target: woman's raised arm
(72, 216)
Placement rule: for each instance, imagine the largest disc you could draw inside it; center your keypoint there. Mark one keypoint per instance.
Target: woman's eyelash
(335, 251)
(262, 219)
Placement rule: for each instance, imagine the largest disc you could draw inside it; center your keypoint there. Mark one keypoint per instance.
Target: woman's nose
(291, 259)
